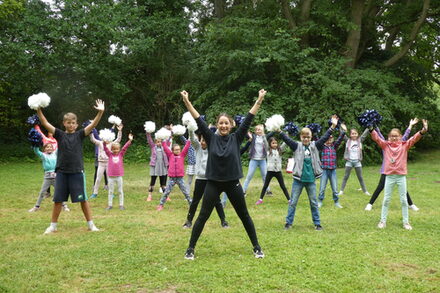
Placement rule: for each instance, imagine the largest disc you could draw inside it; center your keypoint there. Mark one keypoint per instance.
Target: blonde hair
(305, 131)
(69, 116)
(395, 129)
(115, 144)
(45, 146)
(261, 126)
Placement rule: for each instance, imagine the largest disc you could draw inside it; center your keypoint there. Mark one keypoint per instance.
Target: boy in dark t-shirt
(70, 167)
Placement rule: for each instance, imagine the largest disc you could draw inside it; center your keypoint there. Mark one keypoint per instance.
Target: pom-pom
(203, 117)
(33, 120)
(107, 135)
(192, 126)
(274, 122)
(369, 118)
(86, 123)
(35, 138)
(40, 100)
(187, 118)
(114, 120)
(179, 130)
(291, 128)
(213, 128)
(149, 126)
(315, 128)
(163, 134)
(239, 119)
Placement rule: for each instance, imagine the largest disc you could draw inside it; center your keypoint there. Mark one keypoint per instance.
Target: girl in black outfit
(223, 171)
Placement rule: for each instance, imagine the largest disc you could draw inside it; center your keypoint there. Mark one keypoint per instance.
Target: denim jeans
(297, 188)
(390, 181)
(253, 165)
(326, 175)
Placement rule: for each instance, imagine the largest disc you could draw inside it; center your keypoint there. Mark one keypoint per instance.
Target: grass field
(141, 250)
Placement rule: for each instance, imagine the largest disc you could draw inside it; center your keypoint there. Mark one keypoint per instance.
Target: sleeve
(119, 137)
(241, 132)
(58, 134)
(381, 142)
(364, 134)
(406, 134)
(166, 148)
(245, 148)
(38, 129)
(186, 148)
(290, 142)
(194, 141)
(106, 150)
(415, 138)
(38, 152)
(321, 141)
(204, 129)
(125, 147)
(379, 133)
(95, 134)
(183, 139)
(283, 147)
(339, 140)
(93, 139)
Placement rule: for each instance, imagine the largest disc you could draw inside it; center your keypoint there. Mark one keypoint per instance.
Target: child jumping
(115, 170)
(395, 153)
(176, 171)
(70, 166)
(274, 168)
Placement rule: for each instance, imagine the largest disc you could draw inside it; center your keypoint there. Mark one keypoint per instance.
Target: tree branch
(287, 12)
(354, 35)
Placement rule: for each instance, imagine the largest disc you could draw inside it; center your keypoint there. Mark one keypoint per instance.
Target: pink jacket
(46, 139)
(116, 162)
(395, 154)
(176, 167)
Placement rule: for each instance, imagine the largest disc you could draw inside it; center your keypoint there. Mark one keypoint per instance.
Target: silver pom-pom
(187, 118)
(149, 126)
(192, 126)
(107, 135)
(114, 120)
(179, 130)
(163, 134)
(40, 100)
(274, 123)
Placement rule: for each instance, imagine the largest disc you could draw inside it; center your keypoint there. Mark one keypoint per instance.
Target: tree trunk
(287, 12)
(354, 35)
(415, 30)
(305, 6)
(219, 8)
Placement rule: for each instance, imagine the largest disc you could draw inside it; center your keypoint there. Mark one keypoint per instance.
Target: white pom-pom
(40, 100)
(187, 119)
(114, 120)
(106, 134)
(179, 130)
(274, 123)
(149, 126)
(192, 126)
(163, 134)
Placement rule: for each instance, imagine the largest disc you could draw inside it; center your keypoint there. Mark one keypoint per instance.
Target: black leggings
(162, 179)
(105, 176)
(279, 177)
(379, 189)
(235, 193)
(199, 188)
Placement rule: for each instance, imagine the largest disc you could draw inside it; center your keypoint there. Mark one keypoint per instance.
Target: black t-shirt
(224, 162)
(70, 151)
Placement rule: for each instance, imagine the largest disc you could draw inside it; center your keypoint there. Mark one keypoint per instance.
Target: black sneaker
(287, 226)
(318, 227)
(189, 254)
(187, 224)
(225, 224)
(258, 253)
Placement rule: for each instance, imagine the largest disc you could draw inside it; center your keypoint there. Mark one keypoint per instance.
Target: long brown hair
(271, 139)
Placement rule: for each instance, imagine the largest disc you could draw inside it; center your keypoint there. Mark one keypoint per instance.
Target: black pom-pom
(35, 138)
(315, 128)
(203, 117)
(238, 119)
(369, 118)
(213, 128)
(33, 120)
(291, 128)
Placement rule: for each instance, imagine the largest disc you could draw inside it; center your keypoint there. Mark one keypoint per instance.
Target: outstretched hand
(185, 96)
(99, 105)
(413, 122)
(334, 120)
(425, 126)
(119, 127)
(344, 127)
(261, 95)
(130, 136)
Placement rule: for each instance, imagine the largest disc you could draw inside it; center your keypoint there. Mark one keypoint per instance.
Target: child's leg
(57, 206)
(96, 172)
(252, 167)
(279, 176)
(101, 169)
(297, 187)
(224, 199)
(199, 189)
(86, 210)
(323, 184)
(360, 178)
(163, 182)
(120, 182)
(311, 192)
(263, 171)
(408, 198)
(334, 184)
(401, 186)
(379, 189)
(346, 175)
(111, 189)
(105, 175)
(184, 188)
(46, 184)
(152, 183)
(220, 211)
(167, 191)
(269, 177)
(389, 183)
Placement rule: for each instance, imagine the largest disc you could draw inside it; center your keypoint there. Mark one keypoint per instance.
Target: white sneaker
(338, 205)
(407, 226)
(160, 190)
(381, 225)
(93, 228)
(414, 207)
(319, 203)
(66, 208)
(50, 230)
(34, 209)
(368, 207)
(367, 193)
(341, 192)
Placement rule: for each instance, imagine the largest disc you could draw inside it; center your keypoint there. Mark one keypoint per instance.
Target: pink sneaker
(159, 207)
(150, 198)
(168, 198)
(260, 201)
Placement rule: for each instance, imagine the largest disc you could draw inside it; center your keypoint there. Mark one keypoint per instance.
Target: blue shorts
(72, 184)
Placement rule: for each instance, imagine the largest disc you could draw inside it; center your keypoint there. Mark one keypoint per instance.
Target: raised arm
(290, 142)
(257, 104)
(119, 137)
(127, 144)
(412, 122)
(321, 141)
(166, 148)
(106, 150)
(339, 140)
(365, 134)
(150, 140)
(38, 152)
(188, 105)
(375, 136)
(204, 129)
(100, 107)
(186, 148)
(194, 141)
(38, 129)
(49, 127)
(93, 139)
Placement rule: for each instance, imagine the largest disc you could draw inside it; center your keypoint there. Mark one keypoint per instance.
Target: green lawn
(141, 250)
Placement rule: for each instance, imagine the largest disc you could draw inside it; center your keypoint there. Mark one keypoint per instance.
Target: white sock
(53, 225)
(90, 224)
